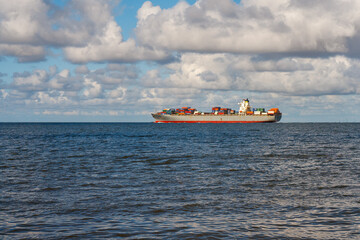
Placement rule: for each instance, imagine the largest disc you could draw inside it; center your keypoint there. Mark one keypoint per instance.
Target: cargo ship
(246, 114)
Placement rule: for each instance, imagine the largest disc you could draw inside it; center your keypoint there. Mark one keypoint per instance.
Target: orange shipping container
(276, 110)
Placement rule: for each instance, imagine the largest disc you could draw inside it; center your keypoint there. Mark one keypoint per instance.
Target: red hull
(214, 121)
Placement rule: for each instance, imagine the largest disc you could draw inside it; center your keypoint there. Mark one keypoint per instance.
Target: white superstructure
(244, 106)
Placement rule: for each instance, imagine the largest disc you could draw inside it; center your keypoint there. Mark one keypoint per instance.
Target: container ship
(246, 114)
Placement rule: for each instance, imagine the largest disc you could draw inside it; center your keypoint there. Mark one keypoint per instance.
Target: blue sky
(101, 60)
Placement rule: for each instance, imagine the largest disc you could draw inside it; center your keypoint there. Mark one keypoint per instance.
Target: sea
(179, 181)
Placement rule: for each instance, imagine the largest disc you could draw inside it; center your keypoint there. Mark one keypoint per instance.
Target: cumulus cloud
(30, 81)
(106, 43)
(283, 26)
(54, 87)
(41, 23)
(110, 47)
(62, 81)
(23, 53)
(327, 78)
(117, 94)
(60, 87)
(44, 80)
(85, 29)
(92, 88)
(114, 74)
(22, 21)
(294, 76)
(49, 98)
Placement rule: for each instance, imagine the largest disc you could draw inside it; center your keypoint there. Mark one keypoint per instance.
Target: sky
(118, 61)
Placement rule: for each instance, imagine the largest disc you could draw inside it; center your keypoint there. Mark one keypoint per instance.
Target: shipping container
(275, 110)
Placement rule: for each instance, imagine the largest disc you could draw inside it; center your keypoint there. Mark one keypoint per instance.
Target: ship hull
(231, 118)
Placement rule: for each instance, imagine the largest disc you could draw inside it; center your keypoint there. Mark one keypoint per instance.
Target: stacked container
(272, 111)
(215, 110)
(222, 111)
(185, 110)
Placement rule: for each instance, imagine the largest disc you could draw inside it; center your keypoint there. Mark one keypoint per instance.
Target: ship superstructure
(218, 115)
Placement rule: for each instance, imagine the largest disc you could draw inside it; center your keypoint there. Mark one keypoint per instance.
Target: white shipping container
(270, 112)
(257, 112)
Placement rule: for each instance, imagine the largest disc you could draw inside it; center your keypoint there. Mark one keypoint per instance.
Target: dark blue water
(180, 181)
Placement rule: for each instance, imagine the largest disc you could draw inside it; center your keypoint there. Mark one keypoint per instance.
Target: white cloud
(107, 43)
(60, 88)
(92, 88)
(328, 76)
(85, 29)
(147, 10)
(281, 26)
(60, 80)
(38, 22)
(50, 98)
(294, 76)
(110, 47)
(22, 21)
(118, 93)
(24, 53)
(35, 81)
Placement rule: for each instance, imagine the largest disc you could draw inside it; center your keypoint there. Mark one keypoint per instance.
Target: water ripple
(179, 181)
